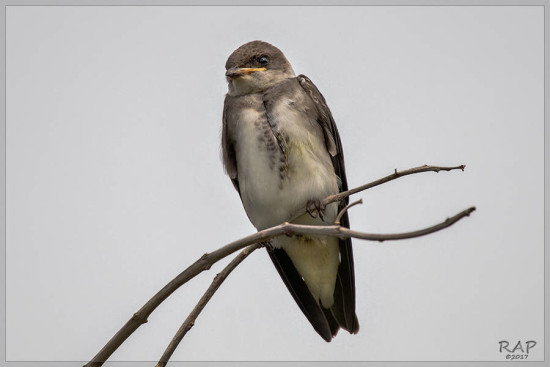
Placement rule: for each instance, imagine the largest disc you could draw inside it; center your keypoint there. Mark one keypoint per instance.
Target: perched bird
(282, 151)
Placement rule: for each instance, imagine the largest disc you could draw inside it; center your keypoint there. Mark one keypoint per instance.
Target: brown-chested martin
(282, 151)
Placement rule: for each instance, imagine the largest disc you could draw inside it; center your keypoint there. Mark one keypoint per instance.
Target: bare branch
(342, 232)
(190, 320)
(393, 176)
(290, 229)
(346, 232)
(140, 317)
(208, 259)
(341, 195)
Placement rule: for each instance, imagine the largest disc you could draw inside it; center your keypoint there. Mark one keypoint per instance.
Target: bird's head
(256, 66)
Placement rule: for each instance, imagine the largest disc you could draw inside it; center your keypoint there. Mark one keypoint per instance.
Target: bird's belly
(276, 185)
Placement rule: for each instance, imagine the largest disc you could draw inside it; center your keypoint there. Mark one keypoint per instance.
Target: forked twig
(190, 320)
(396, 174)
(291, 229)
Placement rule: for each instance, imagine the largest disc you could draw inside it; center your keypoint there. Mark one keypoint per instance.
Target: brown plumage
(281, 149)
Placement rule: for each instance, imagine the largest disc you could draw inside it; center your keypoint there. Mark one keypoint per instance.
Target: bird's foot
(268, 246)
(316, 209)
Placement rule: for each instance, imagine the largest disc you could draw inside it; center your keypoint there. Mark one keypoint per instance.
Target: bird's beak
(233, 73)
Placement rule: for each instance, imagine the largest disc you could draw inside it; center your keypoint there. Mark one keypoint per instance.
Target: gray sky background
(115, 183)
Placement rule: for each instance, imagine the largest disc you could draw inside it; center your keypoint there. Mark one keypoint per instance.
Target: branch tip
(396, 174)
(345, 209)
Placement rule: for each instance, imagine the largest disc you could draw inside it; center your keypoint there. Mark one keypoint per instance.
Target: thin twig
(345, 209)
(190, 320)
(208, 259)
(393, 176)
(396, 174)
(346, 232)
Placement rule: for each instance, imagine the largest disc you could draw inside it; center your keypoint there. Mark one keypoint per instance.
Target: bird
(283, 153)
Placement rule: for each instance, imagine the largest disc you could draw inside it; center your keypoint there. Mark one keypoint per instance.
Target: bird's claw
(316, 209)
(268, 246)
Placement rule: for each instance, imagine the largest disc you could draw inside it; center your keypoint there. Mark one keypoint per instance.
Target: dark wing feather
(344, 309)
(228, 148)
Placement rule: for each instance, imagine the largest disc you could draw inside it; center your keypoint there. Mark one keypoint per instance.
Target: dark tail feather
(333, 323)
(345, 283)
(326, 322)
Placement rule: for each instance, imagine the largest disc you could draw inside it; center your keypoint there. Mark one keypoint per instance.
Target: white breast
(268, 199)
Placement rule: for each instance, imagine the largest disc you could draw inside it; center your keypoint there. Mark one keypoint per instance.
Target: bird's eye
(263, 60)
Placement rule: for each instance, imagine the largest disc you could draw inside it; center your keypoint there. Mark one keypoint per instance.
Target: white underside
(310, 176)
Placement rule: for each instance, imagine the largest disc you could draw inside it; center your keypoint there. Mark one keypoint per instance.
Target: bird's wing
(344, 297)
(228, 147)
